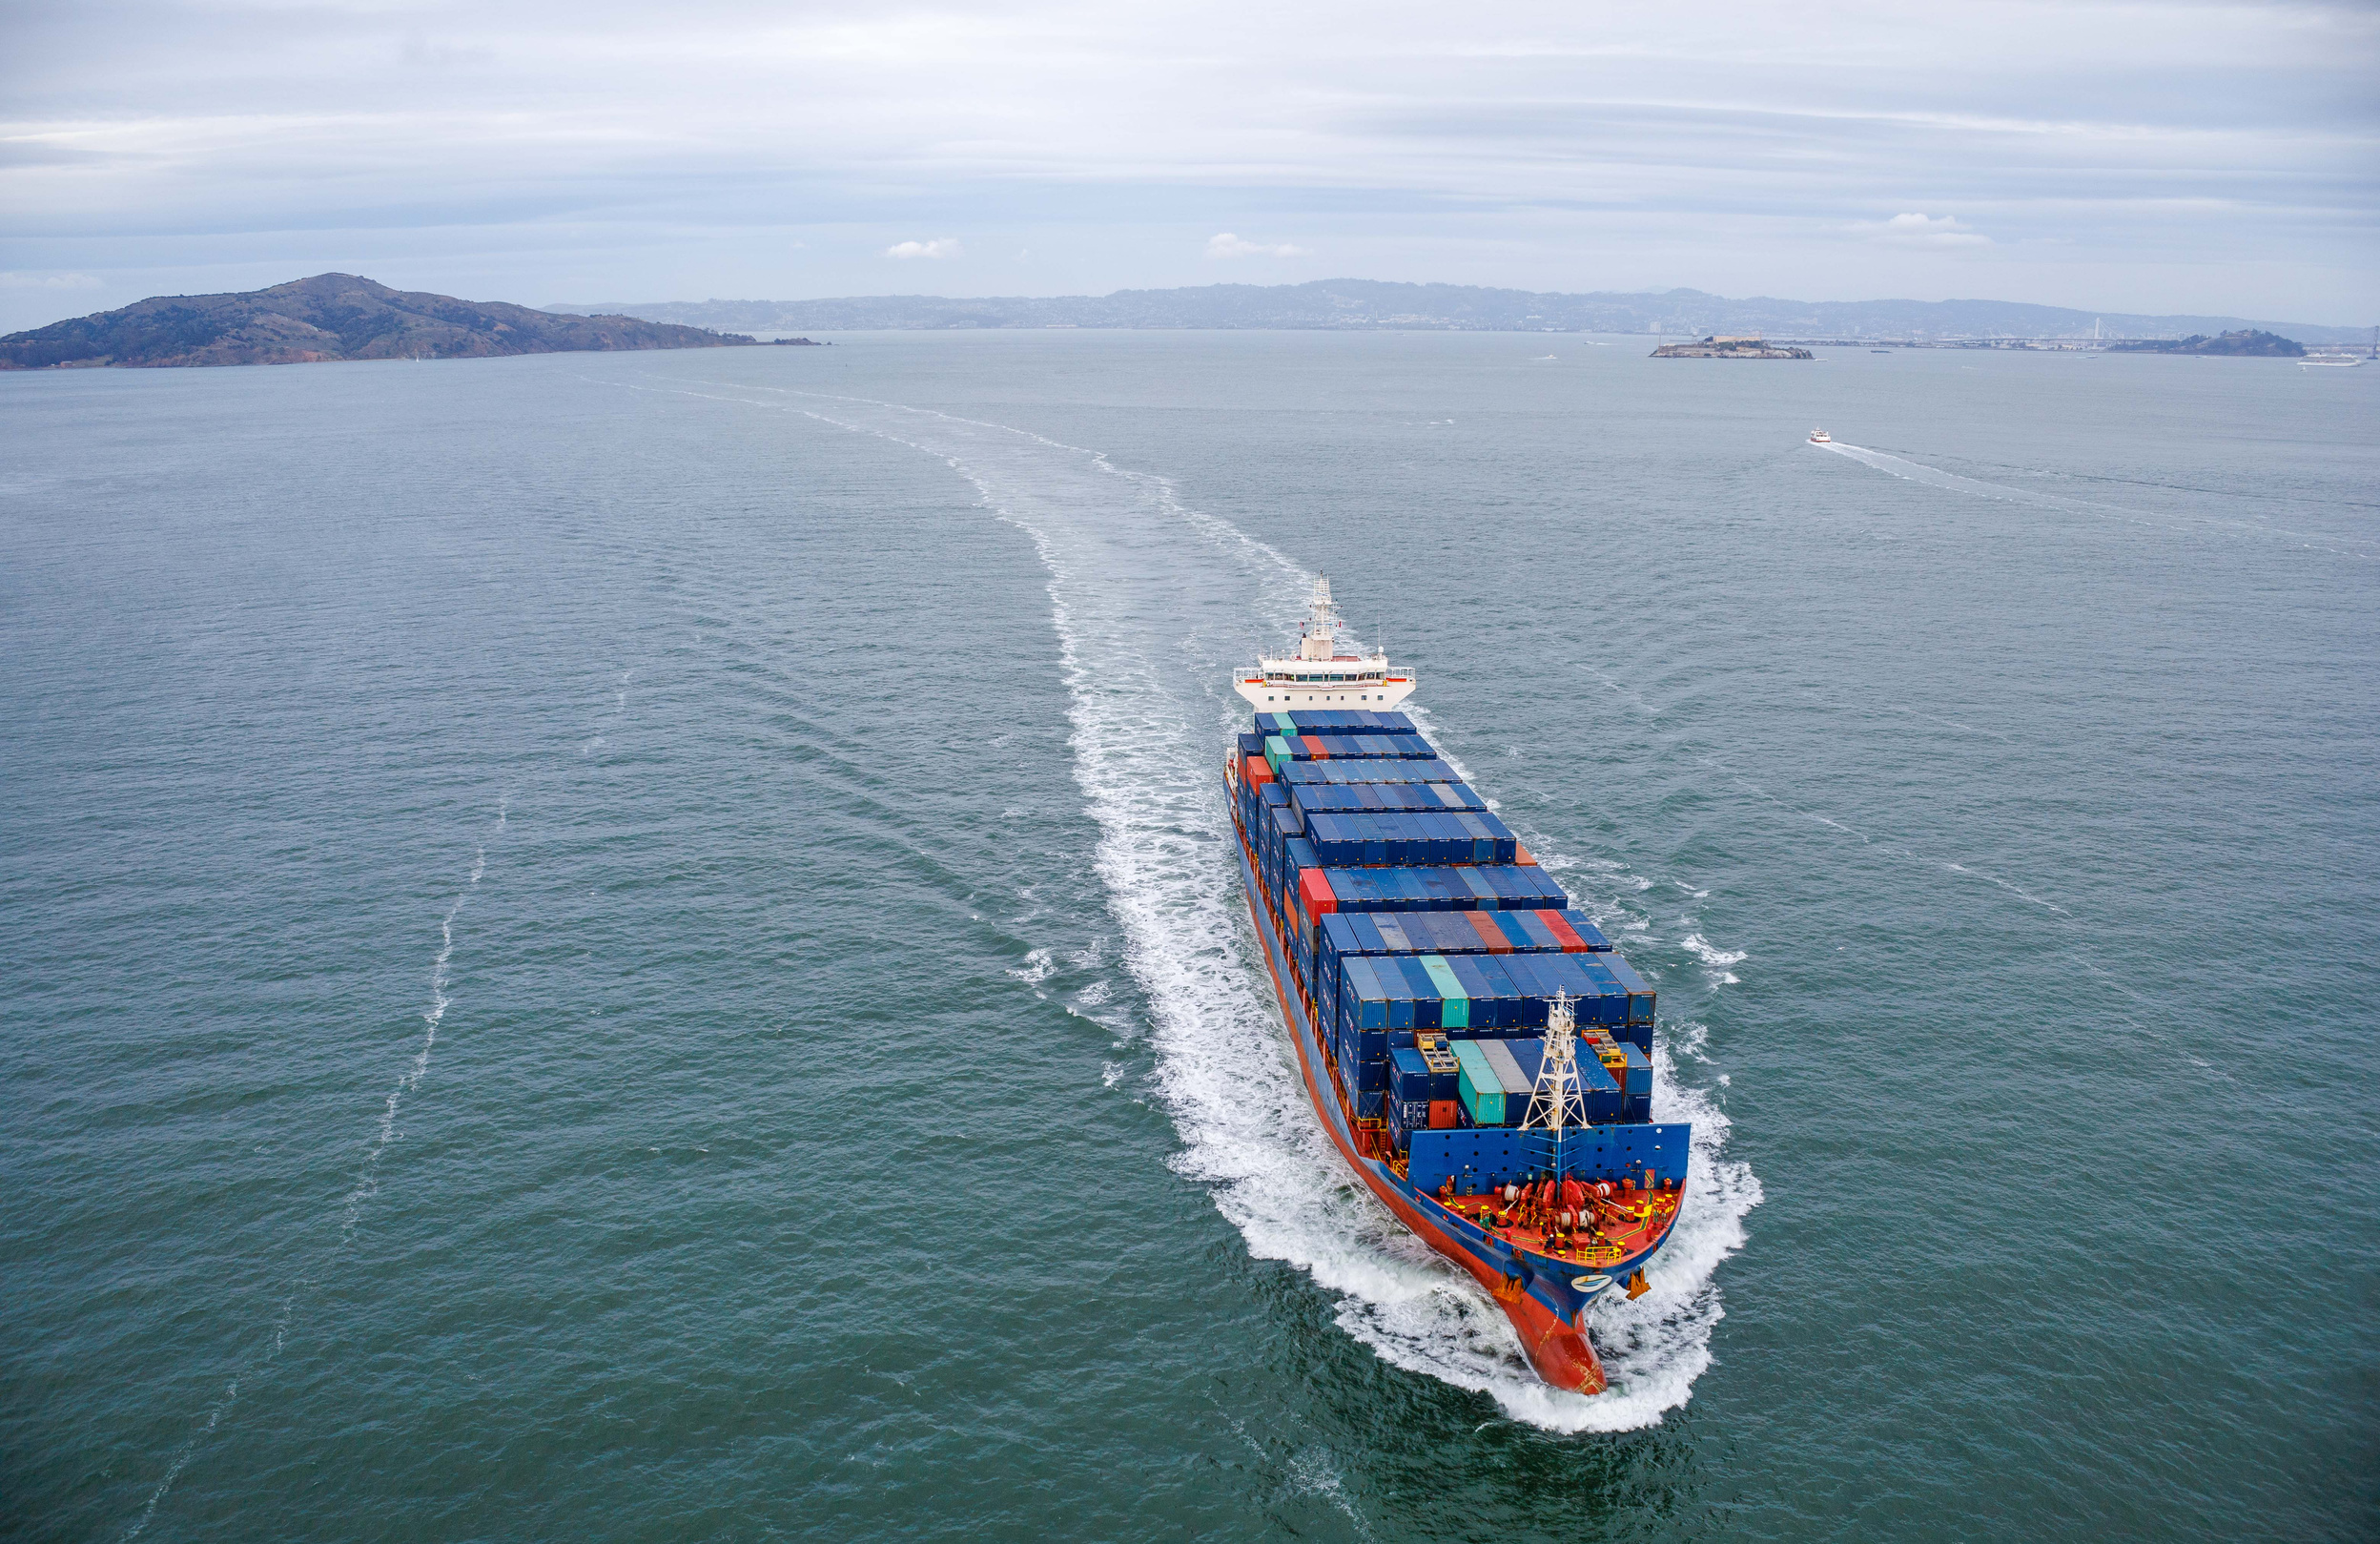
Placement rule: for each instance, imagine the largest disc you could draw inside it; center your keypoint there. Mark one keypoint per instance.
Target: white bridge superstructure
(1317, 675)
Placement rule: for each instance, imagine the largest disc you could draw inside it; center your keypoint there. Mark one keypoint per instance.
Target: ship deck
(1626, 1226)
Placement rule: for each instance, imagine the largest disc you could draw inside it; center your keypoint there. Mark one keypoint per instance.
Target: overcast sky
(2126, 157)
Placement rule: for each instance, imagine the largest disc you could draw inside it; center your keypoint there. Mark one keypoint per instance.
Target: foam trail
(1150, 602)
(367, 1180)
(1935, 477)
(173, 1471)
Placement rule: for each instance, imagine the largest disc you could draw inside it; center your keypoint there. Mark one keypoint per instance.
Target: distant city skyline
(2141, 158)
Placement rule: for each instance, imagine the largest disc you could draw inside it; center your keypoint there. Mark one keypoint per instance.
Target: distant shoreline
(1370, 305)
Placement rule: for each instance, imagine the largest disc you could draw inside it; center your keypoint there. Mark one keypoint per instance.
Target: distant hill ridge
(328, 317)
(1344, 304)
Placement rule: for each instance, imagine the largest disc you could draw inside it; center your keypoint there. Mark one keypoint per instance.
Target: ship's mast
(1320, 638)
(1556, 1104)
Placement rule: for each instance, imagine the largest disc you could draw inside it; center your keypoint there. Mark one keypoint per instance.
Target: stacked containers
(1436, 888)
(1358, 798)
(1637, 1085)
(1342, 721)
(1295, 746)
(1400, 922)
(1398, 771)
(1408, 1095)
(1411, 839)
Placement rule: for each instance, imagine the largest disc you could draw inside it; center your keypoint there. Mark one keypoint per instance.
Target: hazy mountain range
(1356, 303)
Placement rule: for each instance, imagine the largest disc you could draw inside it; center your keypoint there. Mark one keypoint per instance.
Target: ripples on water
(645, 945)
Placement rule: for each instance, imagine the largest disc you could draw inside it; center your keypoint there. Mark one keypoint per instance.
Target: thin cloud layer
(2141, 156)
(1224, 244)
(1922, 231)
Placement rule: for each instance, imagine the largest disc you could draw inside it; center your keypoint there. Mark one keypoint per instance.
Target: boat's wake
(1932, 476)
(1935, 477)
(1151, 602)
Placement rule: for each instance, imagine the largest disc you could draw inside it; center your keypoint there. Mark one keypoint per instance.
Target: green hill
(2248, 341)
(328, 317)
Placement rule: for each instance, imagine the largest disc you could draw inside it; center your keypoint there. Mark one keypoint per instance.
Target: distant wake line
(1935, 477)
(367, 1180)
(1150, 600)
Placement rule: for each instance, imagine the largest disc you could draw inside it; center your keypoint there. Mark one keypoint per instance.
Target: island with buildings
(1730, 346)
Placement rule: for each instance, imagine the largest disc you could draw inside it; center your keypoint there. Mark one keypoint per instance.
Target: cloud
(18, 281)
(2214, 157)
(939, 247)
(1224, 244)
(1920, 230)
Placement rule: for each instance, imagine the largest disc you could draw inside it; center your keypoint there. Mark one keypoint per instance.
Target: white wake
(2336, 544)
(1153, 603)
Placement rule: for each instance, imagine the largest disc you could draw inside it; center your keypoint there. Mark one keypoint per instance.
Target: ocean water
(645, 947)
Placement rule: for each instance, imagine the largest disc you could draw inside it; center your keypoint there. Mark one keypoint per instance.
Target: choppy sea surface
(645, 947)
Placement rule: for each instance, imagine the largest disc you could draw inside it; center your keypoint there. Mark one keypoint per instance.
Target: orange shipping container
(1488, 932)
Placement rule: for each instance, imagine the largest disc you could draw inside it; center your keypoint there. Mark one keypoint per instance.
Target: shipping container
(1640, 996)
(1478, 1161)
(1517, 1084)
(1454, 1006)
(1435, 888)
(1399, 770)
(1500, 1003)
(1370, 798)
(1335, 721)
(1638, 1079)
(1297, 746)
(1314, 895)
(1481, 1088)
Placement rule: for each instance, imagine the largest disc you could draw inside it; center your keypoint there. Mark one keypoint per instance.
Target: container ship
(1478, 1053)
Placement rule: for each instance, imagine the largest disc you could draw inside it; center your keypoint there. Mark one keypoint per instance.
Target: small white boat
(2335, 362)
(1819, 437)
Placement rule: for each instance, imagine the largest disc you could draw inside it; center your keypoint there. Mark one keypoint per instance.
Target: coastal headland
(326, 317)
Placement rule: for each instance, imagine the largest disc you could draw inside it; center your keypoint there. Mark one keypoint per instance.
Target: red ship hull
(1535, 1292)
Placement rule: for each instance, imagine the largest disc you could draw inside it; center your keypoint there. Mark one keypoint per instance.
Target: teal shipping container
(1478, 1086)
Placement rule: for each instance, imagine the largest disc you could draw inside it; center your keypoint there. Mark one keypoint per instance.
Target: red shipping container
(1314, 748)
(1566, 935)
(1521, 855)
(1259, 770)
(1442, 1116)
(1314, 891)
(1482, 924)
